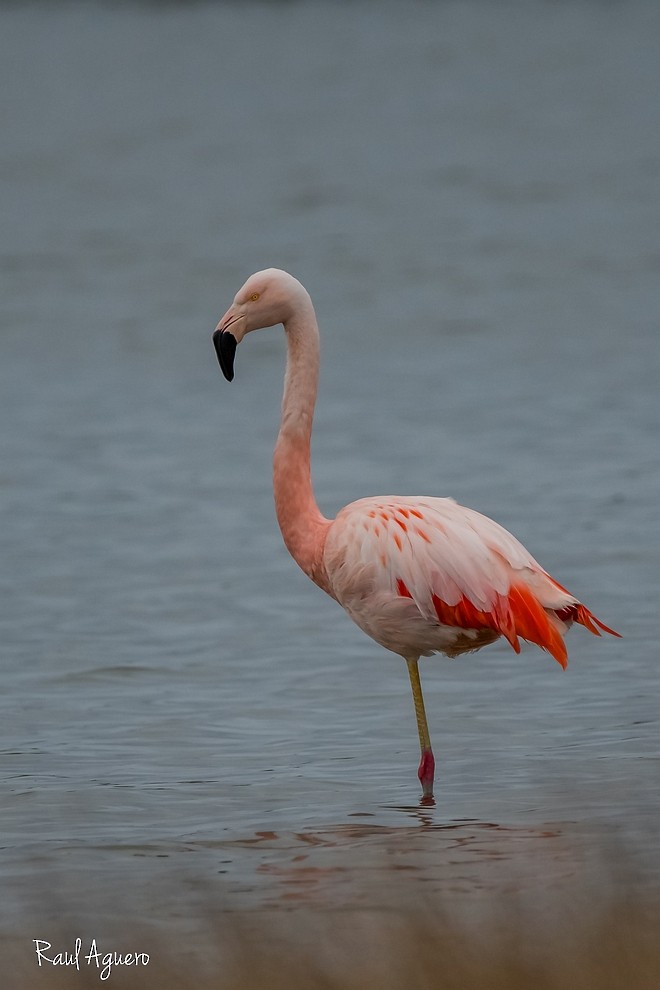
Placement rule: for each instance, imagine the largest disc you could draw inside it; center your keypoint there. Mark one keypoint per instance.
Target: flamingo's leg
(427, 764)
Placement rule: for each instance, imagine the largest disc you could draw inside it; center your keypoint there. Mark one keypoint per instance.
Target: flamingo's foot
(426, 774)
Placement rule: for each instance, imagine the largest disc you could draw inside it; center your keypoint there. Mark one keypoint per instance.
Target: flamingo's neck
(303, 526)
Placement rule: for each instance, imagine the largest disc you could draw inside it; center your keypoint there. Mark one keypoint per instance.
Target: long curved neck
(303, 526)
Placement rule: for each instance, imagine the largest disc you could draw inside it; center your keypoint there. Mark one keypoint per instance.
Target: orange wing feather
(518, 614)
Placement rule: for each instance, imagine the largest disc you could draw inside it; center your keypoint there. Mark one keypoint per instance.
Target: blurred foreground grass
(598, 940)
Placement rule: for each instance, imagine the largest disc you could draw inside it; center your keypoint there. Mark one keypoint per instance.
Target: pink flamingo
(419, 575)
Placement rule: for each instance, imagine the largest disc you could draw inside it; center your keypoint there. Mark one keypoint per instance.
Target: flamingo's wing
(460, 568)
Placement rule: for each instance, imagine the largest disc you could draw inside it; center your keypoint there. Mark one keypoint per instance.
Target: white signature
(104, 961)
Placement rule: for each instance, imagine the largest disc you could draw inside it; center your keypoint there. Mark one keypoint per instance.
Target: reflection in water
(366, 866)
(362, 864)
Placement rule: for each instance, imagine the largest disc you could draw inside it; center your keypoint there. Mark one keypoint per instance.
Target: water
(470, 192)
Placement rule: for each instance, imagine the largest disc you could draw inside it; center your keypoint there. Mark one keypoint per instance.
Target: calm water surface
(470, 192)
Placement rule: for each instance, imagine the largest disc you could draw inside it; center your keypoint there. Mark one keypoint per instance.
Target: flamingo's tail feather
(580, 613)
(519, 613)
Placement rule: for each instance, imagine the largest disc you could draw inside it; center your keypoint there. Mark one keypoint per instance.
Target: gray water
(470, 191)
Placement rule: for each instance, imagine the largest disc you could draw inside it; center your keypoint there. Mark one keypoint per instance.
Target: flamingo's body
(419, 575)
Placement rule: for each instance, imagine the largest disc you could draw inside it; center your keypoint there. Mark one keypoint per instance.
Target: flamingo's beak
(225, 347)
(228, 334)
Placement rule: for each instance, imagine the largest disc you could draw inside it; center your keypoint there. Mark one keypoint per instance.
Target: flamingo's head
(267, 298)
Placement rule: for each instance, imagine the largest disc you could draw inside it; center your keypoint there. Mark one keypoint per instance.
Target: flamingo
(420, 575)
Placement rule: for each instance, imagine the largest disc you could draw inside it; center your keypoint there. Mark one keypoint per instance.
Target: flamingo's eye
(254, 296)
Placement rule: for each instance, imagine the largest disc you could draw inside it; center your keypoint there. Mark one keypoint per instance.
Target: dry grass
(606, 942)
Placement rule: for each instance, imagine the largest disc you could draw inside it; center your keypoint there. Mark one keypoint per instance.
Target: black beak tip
(225, 348)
